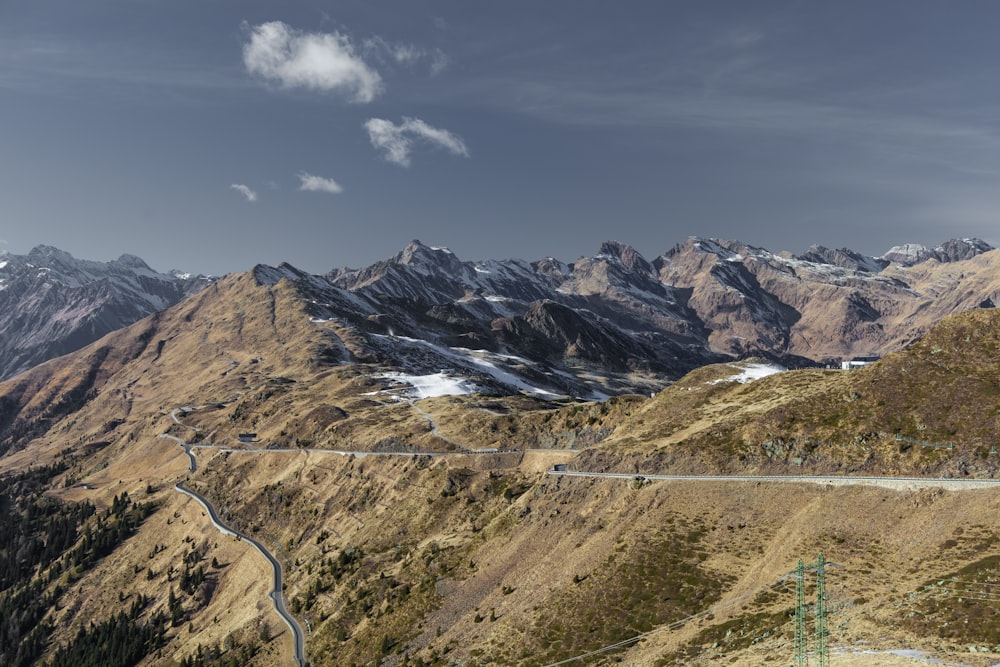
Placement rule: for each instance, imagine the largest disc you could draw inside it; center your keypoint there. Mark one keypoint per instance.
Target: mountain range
(601, 325)
(389, 435)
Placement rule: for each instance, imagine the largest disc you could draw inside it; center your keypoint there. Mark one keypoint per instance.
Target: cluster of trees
(34, 531)
(102, 536)
(40, 539)
(118, 641)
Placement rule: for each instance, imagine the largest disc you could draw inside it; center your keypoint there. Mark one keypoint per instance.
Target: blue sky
(210, 135)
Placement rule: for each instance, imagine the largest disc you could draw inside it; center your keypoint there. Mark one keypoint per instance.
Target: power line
(670, 626)
(683, 621)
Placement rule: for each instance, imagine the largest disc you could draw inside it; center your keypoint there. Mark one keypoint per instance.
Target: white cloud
(245, 191)
(311, 183)
(396, 141)
(389, 138)
(316, 61)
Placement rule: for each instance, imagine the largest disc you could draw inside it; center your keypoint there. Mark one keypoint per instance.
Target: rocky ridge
(602, 325)
(701, 301)
(52, 303)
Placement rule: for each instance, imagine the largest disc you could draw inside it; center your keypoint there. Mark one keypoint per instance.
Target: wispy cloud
(245, 191)
(310, 183)
(438, 62)
(326, 62)
(71, 67)
(396, 141)
(405, 54)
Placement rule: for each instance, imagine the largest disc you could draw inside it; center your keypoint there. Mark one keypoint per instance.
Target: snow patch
(430, 386)
(751, 372)
(509, 378)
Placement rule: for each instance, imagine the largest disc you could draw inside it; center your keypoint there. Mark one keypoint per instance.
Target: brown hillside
(484, 558)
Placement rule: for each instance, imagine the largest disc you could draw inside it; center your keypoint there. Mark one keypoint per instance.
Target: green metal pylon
(820, 634)
(800, 659)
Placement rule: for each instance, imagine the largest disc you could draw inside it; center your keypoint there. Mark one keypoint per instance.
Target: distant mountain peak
(626, 254)
(844, 258)
(132, 262)
(953, 250)
(43, 250)
(416, 252)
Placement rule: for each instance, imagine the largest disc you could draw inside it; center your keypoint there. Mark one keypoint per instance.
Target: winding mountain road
(276, 594)
(276, 591)
(193, 463)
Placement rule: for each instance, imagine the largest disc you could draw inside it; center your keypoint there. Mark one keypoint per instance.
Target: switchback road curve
(276, 592)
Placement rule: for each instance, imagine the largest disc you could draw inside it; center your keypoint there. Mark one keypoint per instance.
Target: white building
(857, 362)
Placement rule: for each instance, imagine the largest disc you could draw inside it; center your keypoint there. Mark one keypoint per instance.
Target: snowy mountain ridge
(610, 323)
(617, 322)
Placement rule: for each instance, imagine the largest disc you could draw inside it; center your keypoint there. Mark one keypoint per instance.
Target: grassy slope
(932, 409)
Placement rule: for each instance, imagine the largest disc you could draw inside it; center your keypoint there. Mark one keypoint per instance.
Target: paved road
(276, 592)
(835, 480)
(193, 464)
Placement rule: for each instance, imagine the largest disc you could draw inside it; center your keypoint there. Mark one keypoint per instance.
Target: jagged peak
(844, 258)
(50, 252)
(953, 250)
(132, 262)
(551, 266)
(266, 274)
(724, 249)
(416, 252)
(908, 253)
(626, 254)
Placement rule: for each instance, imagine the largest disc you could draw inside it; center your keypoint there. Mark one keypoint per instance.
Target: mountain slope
(482, 557)
(929, 410)
(52, 303)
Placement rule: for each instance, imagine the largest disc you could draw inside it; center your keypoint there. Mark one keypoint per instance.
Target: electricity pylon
(801, 657)
(823, 659)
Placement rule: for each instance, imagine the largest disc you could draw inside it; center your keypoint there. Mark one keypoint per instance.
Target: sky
(212, 135)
